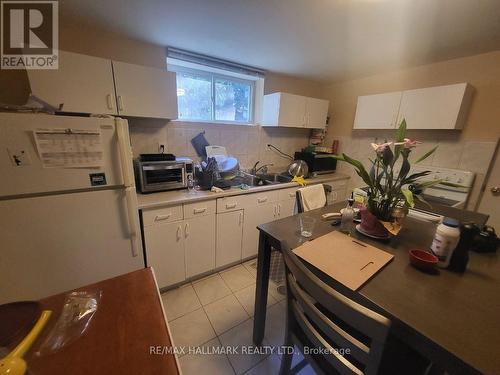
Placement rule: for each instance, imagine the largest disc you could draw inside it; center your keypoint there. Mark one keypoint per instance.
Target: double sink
(262, 179)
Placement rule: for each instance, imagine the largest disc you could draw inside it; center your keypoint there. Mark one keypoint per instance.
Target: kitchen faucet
(262, 168)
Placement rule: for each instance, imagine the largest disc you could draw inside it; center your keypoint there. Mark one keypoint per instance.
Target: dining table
(452, 319)
(128, 334)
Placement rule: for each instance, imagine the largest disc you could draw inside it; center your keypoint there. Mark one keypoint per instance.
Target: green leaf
(426, 184)
(409, 197)
(401, 132)
(414, 176)
(421, 199)
(405, 168)
(360, 169)
(426, 155)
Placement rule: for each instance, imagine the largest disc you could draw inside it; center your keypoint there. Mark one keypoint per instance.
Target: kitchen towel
(312, 197)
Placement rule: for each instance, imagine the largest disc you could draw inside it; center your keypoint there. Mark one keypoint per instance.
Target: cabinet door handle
(199, 210)
(241, 219)
(178, 233)
(279, 209)
(261, 200)
(109, 102)
(162, 217)
(274, 211)
(232, 205)
(186, 230)
(120, 103)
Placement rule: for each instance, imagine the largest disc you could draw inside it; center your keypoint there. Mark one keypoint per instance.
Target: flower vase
(371, 226)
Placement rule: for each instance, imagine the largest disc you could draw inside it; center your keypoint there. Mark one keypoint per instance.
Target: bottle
(460, 257)
(445, 241)
(347, 217)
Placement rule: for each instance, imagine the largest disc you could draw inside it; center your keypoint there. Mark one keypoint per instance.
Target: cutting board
(346, 259)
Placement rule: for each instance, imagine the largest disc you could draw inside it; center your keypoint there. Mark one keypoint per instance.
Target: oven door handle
(160, 167)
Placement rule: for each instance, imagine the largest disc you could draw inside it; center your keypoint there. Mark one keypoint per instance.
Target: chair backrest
(328, 320)
(301, 207)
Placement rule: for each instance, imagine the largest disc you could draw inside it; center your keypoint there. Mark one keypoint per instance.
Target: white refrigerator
(68, 207)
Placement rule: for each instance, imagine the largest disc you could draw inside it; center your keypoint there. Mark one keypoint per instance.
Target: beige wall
(471, 148)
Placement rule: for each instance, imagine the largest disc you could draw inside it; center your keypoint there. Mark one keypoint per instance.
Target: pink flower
(380, 147)
(408, 143)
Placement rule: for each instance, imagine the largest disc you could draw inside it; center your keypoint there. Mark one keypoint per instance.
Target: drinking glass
(306, 226)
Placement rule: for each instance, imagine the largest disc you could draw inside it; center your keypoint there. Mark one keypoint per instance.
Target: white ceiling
(318, 39)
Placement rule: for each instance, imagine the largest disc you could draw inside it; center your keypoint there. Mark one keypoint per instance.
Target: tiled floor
(217, 311)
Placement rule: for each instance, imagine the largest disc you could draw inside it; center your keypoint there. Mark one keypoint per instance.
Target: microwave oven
(162, 175)
(317, 163)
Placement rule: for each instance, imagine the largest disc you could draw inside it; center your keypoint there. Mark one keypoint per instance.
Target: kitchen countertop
(168, 198)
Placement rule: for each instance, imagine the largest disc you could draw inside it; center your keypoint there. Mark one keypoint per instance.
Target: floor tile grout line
(188, 312)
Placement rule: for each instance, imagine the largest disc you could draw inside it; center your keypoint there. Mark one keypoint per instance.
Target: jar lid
(449, 222)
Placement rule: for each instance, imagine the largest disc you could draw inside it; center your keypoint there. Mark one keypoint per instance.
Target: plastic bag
(75, 318)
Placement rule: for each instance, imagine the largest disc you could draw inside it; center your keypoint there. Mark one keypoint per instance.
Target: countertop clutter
(167, 198)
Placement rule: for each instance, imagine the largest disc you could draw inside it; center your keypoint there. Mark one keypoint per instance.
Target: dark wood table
(452, 319)
(129, 320)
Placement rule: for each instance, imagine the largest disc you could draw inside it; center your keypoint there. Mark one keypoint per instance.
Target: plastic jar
(445, 240)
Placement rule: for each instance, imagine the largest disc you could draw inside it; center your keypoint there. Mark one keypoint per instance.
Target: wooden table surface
(453, 319)
(129, 319)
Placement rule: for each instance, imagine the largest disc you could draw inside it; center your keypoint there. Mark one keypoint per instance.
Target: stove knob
(447, 178)
(460, 180)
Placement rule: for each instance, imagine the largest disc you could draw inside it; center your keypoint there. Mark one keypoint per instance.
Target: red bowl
(423, 259)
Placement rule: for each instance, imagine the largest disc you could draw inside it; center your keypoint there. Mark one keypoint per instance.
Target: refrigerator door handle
(125, 153)
(131, 198)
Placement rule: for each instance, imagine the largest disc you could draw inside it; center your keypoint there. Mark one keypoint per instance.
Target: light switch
(19, 157)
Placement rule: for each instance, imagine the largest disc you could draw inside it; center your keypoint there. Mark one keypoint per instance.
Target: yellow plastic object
(14, 364)
(300, 180)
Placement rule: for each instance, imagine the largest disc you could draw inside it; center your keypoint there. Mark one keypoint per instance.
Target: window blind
(196, 58)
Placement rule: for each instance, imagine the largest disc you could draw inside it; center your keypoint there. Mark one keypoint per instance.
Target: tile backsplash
(247, 143)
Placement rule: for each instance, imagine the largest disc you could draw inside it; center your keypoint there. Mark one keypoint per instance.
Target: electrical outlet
(19, 157)
(161, 148)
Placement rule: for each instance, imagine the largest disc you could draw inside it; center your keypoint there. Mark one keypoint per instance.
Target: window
(206, 96)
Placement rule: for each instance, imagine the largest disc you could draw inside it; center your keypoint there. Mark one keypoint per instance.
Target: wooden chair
(300, 205)
(319, 317)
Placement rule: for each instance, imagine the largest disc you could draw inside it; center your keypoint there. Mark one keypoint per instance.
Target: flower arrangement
(390, 186)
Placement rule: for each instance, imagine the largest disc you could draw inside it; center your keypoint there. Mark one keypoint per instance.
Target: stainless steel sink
(275, 178)
(261, 179)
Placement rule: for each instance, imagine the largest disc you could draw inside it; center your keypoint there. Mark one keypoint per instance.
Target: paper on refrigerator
(69, 148)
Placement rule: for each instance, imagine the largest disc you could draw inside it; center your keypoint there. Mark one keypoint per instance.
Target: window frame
(213, 77)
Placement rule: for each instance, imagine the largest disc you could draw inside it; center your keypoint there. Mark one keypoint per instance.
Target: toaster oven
(162, 175)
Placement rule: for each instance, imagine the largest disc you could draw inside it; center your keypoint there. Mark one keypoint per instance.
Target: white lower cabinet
(187, 240)
(286, 202)
(199, 244)
(229, 236)
(255, 215)
(165, 252)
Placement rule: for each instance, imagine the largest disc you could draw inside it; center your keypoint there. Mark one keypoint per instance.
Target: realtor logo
(29, 35)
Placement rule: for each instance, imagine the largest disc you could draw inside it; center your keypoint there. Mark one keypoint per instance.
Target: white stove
(452, 196)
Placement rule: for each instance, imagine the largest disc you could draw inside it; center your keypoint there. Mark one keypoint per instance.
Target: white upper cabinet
(82, 84)
(145, 92)
(295, 111)
(441, 107)
(317, 111)
(378, 111)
